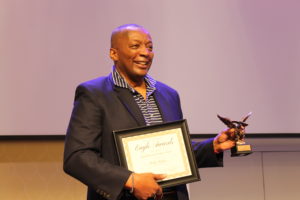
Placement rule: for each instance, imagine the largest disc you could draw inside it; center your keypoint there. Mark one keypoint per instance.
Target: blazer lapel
(128, 101)
(163, 106)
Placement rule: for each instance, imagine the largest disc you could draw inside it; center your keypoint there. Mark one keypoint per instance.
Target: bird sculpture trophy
(240, 148)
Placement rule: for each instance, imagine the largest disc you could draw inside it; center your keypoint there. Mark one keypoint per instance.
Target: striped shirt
(147, 106)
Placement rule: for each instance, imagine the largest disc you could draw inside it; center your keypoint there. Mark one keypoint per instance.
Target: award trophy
(240, 148)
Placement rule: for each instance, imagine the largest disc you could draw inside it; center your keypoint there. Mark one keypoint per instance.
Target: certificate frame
(164, 148)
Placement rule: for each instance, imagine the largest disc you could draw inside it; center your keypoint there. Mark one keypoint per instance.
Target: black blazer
(90, 154)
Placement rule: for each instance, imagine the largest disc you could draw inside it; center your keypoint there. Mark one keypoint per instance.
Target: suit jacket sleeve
(205, 156)
(82, 156)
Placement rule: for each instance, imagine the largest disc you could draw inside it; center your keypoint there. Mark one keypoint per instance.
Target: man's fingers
(159, 191)
(159, 176)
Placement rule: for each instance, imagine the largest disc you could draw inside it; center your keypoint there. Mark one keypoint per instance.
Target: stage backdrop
(223, 57)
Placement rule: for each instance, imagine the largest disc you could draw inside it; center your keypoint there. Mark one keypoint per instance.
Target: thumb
(159, 176)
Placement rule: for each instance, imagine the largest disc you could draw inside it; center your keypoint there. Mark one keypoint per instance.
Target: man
(127, 98)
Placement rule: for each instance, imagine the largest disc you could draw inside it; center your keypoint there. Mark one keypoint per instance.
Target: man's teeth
(142, 62)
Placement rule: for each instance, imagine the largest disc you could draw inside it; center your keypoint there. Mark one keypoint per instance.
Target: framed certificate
(160, 149)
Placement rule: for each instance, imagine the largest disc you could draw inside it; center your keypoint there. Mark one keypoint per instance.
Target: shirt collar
(121, 82)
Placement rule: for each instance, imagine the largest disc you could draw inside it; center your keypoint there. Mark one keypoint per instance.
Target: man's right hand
(145, 185)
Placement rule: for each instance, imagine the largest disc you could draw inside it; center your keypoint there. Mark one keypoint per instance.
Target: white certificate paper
(161, 152)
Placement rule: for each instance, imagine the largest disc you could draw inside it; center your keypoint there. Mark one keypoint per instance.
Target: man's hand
(225, 140)
(145, 185)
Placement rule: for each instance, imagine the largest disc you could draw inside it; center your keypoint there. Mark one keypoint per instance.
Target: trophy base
(241, 150)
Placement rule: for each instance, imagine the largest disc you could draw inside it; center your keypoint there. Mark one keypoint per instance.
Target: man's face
(133, 53)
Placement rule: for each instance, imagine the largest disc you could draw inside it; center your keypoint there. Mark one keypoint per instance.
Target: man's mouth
(142, 63)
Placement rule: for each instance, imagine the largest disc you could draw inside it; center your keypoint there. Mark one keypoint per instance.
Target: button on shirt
(147, 106)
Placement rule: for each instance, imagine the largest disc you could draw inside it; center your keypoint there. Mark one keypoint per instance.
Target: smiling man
(131, 51)
(126, 98)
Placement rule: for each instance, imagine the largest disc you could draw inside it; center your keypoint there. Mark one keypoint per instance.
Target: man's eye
(150, 48)
(135, 46)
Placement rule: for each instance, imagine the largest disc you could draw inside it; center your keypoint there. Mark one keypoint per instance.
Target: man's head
(131, 51)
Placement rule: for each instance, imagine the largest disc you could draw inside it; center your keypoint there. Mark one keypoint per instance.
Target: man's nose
(145, 51)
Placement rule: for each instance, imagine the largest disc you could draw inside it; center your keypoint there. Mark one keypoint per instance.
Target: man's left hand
(224, 140)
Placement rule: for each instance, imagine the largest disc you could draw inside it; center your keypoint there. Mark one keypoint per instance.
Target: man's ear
(113, 54)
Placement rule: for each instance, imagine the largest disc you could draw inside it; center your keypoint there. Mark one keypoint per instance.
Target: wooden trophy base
(241, 150)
